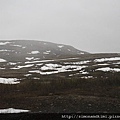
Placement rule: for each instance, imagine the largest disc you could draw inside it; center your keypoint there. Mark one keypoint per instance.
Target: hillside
(20, 50)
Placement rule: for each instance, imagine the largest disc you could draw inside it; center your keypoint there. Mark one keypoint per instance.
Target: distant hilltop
(20, 49)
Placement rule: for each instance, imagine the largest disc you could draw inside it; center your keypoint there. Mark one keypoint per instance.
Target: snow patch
(48, 51)
(34, 52)
(29, 58)
(101, 64)
(27, 75)
(9, 80)
(87, 77)
(4, 43)
(36, 78)
(17, 45)
(36, 58)
(2, 68)
(38, 61)
(45, 53)
(74, 74)
(11, 63)
(107, 59)
(50, 67)
(60, 46)
(5, 50)
(39, 64)
(12, 110)
(2, 60)
(19, 67)
(81, 53)
(71, 75)
(75, 63)
(34, 71)
(109, 69)
(83, 72)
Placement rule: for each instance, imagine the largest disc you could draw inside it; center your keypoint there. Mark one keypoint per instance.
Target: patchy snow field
(56, 69)
(71, 66)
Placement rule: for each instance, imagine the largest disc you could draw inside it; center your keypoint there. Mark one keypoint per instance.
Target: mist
(89, 25)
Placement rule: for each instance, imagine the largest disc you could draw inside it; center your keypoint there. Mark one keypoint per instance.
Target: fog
(89, 25)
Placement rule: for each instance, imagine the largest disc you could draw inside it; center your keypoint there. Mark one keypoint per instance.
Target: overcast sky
(89, 25)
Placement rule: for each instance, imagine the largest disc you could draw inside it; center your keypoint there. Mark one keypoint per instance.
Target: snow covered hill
(21, 50)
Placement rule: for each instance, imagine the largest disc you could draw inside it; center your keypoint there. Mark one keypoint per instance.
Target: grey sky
(90, 25)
